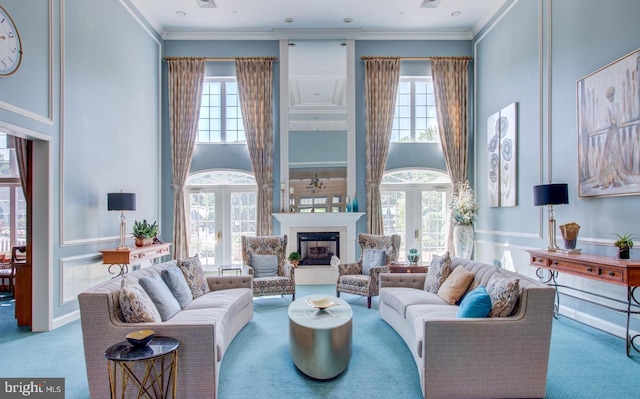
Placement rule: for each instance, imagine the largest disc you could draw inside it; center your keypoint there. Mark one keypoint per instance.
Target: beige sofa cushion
(455, 285)
(399, 298)
(233, 299)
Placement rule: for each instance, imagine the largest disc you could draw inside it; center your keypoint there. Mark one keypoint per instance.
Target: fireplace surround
(344, 223)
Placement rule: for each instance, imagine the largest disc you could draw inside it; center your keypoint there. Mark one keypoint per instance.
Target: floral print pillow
(135, 303)
(439, 270)
(504, 292)
(193, 273)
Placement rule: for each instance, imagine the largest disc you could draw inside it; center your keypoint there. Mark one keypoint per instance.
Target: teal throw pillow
(161, 296)
(476, 304)
(372, 258)
(264, 265)
(174, 279)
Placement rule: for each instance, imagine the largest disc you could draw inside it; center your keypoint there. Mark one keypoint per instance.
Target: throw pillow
(477, 303)
(504, 292)
(455, 285)
(193, 273)
(438, 272)
(373, 258)
(135, 304)
(264, 265)
(174, 279)
(161, 296)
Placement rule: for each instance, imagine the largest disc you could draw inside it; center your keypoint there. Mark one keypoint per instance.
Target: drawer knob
(589, 269)
(612, 274)
(555, 262)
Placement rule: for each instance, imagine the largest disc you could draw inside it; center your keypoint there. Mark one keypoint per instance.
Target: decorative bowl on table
(140, 338)
(321, 304)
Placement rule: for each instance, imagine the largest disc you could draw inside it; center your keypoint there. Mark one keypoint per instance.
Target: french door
(419, 213)
(219, 216)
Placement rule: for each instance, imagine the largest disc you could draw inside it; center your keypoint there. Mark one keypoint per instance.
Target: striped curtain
(451, 89)
(255, 86)
(382, 75)
(186, 78)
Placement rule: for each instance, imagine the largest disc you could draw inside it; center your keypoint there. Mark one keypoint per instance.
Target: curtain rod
(372, 57)
(219, 59)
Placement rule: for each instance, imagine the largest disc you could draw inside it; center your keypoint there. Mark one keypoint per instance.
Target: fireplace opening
(317, 248)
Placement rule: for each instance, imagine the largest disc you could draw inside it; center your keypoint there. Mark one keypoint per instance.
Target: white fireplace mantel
(344, 222)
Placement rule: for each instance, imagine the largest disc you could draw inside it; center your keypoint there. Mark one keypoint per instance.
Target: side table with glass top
(237, 269)
(152, 369)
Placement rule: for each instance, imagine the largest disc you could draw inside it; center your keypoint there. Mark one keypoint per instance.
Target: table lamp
(551, 194)
(121, 202)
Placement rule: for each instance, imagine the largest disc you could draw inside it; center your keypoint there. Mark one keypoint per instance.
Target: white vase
(463, 240)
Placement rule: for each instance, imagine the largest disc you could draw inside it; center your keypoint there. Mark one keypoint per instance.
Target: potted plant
(624, 244)
(294, 258)
(144, 232)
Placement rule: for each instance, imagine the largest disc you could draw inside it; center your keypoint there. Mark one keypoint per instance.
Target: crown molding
(280, 34)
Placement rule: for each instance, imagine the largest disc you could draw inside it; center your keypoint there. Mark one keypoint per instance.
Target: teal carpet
(584, 362)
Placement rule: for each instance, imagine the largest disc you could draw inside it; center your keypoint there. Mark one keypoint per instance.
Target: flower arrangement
(464, 207)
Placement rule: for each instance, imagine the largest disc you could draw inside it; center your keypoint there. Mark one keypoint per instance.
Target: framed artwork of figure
(608, 127)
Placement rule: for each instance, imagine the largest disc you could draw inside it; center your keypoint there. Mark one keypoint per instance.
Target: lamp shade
(550, 194)
(121, 202)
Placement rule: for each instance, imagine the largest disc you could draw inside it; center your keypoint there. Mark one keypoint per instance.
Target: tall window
(220, 114)
(13, 208)
(222, 208)
(415, 204)
(415, 114)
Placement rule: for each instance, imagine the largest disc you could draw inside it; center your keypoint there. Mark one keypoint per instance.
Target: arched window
(415, 204)
(222, 208)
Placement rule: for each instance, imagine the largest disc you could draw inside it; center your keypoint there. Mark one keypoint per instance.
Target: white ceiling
(259, 16)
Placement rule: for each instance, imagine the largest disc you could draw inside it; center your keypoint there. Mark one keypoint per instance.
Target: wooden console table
(130, 256)
(600, 268)
(402, 268)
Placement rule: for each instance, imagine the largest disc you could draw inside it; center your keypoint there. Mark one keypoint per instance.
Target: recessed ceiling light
(288, 20)
(181, 13)
(347, 20)
(455, 13)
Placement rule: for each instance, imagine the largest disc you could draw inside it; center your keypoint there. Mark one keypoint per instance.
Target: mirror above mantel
(318, 142)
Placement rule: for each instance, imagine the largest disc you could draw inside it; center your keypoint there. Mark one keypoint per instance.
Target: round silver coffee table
(320, 340)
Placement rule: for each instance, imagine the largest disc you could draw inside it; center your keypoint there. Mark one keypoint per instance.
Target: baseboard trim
(595, 322)
(66, 319)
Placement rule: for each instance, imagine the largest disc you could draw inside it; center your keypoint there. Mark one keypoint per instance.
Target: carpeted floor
(584, 362)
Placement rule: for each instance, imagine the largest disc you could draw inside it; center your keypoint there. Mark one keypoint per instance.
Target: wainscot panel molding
(78, 273)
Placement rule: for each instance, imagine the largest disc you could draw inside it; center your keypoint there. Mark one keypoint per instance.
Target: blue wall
(524, 57)
(94, 97)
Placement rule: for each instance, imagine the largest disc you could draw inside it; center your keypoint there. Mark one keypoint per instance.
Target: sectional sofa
(481, 357)
(205, 327)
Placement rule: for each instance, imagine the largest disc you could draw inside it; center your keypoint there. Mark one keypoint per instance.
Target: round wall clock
(10, 46)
